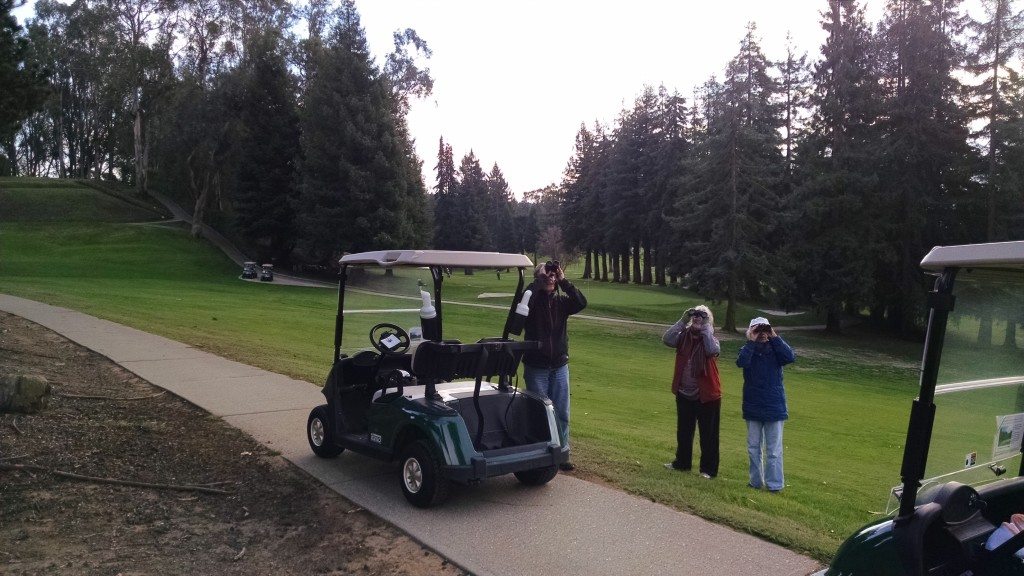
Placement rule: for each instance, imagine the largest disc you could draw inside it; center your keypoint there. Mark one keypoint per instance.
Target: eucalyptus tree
(992, 58)
(24, 82)
(729, 197)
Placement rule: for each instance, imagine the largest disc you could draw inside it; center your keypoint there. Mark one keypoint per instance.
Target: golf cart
(401, 388)
(962, 472)
(267, 273)
(249, 270)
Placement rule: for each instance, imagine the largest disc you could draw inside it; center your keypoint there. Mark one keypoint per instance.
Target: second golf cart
(960, 506)
(431, 386)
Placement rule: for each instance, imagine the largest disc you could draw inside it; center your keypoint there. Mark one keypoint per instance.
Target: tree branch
(99, 480)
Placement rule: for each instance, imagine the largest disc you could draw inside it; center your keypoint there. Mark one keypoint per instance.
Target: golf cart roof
(447, 258)
(994, 255)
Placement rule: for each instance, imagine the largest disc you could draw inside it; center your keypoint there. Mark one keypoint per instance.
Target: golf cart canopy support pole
(339, 318)
(922, 413)
(438, 275)
(512, 307)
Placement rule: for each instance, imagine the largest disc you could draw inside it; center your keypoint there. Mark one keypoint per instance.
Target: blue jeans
(764, 439)
(553, 384)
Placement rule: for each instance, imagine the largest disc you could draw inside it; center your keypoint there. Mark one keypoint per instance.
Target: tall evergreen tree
(472, 202)
(354, 170)
(731, 201)
(268, 147)
(997, 42)
(446, 218)
(499, 212)
(834, 239)
(925, 167)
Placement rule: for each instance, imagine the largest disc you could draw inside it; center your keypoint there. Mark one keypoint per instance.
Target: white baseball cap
(758, 321)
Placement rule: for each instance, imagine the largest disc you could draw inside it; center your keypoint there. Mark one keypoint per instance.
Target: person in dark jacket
(546, 370)
(764, 402)
(697, 389)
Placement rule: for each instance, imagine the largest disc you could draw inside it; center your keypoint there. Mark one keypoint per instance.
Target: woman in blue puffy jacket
(764, 402)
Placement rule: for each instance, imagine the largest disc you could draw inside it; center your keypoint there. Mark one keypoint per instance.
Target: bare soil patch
(104, 421)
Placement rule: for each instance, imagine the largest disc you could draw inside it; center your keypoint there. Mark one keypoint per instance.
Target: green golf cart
(962, 470)
(432, 385)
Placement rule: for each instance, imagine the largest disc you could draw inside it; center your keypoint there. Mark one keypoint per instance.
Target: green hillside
(849, 395)
(52, 200)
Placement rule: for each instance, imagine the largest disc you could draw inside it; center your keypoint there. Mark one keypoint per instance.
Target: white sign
(1009, 431)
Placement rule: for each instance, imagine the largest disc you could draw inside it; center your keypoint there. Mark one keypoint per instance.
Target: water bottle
(522, 311)
(429, 321)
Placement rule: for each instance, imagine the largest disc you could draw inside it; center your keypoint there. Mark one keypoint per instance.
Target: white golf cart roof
(994, 255)
(447, 258)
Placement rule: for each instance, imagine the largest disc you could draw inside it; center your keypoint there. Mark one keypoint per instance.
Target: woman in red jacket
(697, 389)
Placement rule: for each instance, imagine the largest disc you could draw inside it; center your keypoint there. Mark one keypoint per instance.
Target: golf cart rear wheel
(422, 478)
(318, 432)
(537, 476)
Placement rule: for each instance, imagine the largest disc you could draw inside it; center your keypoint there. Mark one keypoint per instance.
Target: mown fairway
(849, 396)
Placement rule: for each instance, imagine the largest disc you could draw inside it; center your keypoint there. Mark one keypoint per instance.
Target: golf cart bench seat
(435, 362)
(484, 412)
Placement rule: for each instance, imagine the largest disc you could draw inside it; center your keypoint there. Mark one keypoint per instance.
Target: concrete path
(500, 527)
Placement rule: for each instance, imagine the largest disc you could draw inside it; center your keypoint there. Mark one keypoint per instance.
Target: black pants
(692, 414)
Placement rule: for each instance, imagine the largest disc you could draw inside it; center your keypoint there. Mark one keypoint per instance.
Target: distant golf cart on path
(249, 271)
(962, 485)
(267, 273)
(401, 390)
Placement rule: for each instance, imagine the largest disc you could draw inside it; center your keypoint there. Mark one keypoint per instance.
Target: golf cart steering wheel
(389, 339)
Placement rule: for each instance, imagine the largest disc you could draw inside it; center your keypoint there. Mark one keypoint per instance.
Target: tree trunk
(637, 278)
(648, 263)
(833, 323)
(616, 276)
(586, 266)
(985, 331)
(140, 164)
(1010, 341)
(624, 267)
(604, 266)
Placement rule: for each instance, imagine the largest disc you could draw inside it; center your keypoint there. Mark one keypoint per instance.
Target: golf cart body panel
(962, 472)
(267, 273)
(447, 411)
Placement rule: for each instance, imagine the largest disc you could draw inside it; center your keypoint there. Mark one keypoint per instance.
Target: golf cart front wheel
(318, 432)
(537, 476)
(422, 477)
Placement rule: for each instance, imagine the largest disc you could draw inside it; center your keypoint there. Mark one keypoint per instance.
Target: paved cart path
(500, 527)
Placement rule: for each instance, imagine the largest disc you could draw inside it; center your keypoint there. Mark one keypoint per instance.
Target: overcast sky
(514, 79)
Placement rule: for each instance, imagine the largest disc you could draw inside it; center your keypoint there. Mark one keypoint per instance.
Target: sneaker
(749, 485)
(566, 466)
(706, 475)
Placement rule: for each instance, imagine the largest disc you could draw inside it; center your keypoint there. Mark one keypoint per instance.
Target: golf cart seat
(483, 411)
(435, 362)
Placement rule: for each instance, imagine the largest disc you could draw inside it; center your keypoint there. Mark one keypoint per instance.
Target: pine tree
(833, 244)
(446, 222)
(23, 81)
(499, 212)
(729, 200)
(925, 167)
(268, 146)
(996, 44)
(355, 155)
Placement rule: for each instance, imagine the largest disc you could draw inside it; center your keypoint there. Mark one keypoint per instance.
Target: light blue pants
(553, 384)
(764, 445)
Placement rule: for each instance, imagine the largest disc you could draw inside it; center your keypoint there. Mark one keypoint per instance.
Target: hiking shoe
(566, 466)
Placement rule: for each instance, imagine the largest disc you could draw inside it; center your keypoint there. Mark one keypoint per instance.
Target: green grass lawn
(849, 395)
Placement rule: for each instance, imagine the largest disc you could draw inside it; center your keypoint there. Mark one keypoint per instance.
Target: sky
(514, 80)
